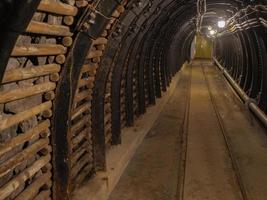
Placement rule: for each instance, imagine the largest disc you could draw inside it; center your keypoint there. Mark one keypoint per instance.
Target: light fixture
(221, 23)
(209, 28)
(212, 32)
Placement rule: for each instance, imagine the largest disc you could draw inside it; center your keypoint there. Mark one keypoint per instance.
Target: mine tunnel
(133, 100)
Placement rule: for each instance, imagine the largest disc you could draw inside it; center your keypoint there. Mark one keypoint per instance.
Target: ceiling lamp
(221, 24)
(212, 32)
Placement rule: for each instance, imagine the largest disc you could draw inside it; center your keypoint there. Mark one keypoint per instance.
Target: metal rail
(184, 135)
(249, 102)
(229, 146)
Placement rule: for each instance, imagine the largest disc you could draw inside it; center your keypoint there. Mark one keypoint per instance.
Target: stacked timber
(81, 155)
(107, 107)
(27, 93)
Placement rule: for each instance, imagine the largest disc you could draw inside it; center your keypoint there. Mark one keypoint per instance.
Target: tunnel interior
(75, 73)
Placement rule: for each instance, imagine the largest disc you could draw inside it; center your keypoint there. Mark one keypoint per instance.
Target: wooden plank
(38, 50)
(23, 92)
(15, 119)
(85, 121)
(89, 67)
(26, 154)
(33, 189)
(27, 73)
(83, 174)
(77, 154)
(79, 165)
(24, 137)
(94, 54)
(81, 109)
(87, 94)
(57, 7)
(48, 29)
(82, 135)
(17, 181)
(100, 40)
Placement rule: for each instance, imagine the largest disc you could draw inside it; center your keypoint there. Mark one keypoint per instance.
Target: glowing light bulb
(209, 28)
(212, 32)
(221, 24)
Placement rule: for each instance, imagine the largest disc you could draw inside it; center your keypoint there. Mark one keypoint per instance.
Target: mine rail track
(232, 156)
(184, 138)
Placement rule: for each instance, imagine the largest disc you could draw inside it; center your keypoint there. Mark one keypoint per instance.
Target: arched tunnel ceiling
(75, 73)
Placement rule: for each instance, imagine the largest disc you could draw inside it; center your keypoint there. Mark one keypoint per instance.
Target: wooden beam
(15, 119)
(20, 179)
(23, 155)
(100, 40)
(57, 7)
(38, 50)
(23, 92)
(33, 189)
(48, 29)
(94, 54)
(24, 137)
(27, 73)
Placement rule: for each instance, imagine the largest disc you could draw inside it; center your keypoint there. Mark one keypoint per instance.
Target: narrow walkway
(204, 146)
(208, 172)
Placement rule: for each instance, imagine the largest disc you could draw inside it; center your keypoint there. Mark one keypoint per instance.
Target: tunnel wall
(242, 51)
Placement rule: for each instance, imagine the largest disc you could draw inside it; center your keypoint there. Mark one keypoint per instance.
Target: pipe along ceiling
(74, 73)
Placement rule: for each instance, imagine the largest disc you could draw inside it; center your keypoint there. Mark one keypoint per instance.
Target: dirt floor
(204, 146)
